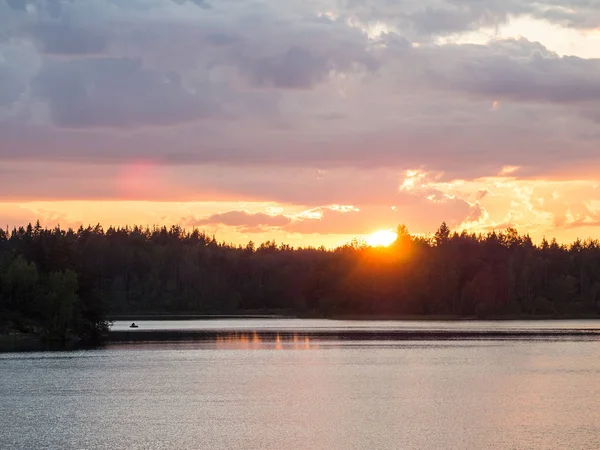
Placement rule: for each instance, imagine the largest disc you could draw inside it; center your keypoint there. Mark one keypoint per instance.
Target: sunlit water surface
(512, 394)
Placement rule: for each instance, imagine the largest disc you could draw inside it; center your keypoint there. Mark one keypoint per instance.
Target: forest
(60, 283)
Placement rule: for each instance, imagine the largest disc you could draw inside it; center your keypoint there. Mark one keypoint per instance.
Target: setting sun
(382, 238)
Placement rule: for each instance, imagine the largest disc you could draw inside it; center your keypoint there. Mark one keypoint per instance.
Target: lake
(308, 394)
(308, 325)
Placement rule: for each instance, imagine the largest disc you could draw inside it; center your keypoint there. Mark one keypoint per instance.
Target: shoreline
(357, 317)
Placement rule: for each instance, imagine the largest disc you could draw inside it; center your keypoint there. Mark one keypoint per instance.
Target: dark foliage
(69, 281)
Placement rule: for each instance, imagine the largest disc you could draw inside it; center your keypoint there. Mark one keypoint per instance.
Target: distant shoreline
(362, 317)
(114, 317)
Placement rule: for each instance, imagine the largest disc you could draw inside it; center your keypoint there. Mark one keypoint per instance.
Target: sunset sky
(303, 121)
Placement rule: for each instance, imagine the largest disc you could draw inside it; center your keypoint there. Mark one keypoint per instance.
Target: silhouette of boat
(133, 325)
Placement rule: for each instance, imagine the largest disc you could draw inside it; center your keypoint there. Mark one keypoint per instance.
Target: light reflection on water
(253, 341)
(241, 391)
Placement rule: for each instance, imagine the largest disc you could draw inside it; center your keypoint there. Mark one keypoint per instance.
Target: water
(305, 395)
(342, 325)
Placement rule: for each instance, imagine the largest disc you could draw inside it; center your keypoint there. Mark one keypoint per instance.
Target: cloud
(19, 5)
(67, 40)
(440, 17)
(116, 92)
(482, 193)
(418, 213)
(304, 103)
(11, 85)
(566, 209)
(476, 219)
(201, 3)
(297, 68)
(580, 14)
(518, 70)
(584, 222)
(245, 221)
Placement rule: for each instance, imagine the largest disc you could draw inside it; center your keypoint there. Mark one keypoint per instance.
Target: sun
(382, 238)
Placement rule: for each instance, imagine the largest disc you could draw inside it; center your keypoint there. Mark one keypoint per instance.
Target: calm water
(305, 395)
(318, 324)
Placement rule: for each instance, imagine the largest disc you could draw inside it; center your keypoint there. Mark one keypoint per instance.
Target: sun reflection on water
(254, 341)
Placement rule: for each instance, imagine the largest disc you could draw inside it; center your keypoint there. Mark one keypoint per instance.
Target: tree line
(60, 282)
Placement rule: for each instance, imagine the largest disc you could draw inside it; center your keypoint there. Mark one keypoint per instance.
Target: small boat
(133, 325)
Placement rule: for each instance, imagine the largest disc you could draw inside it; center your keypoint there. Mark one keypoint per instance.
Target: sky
(308, 122)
